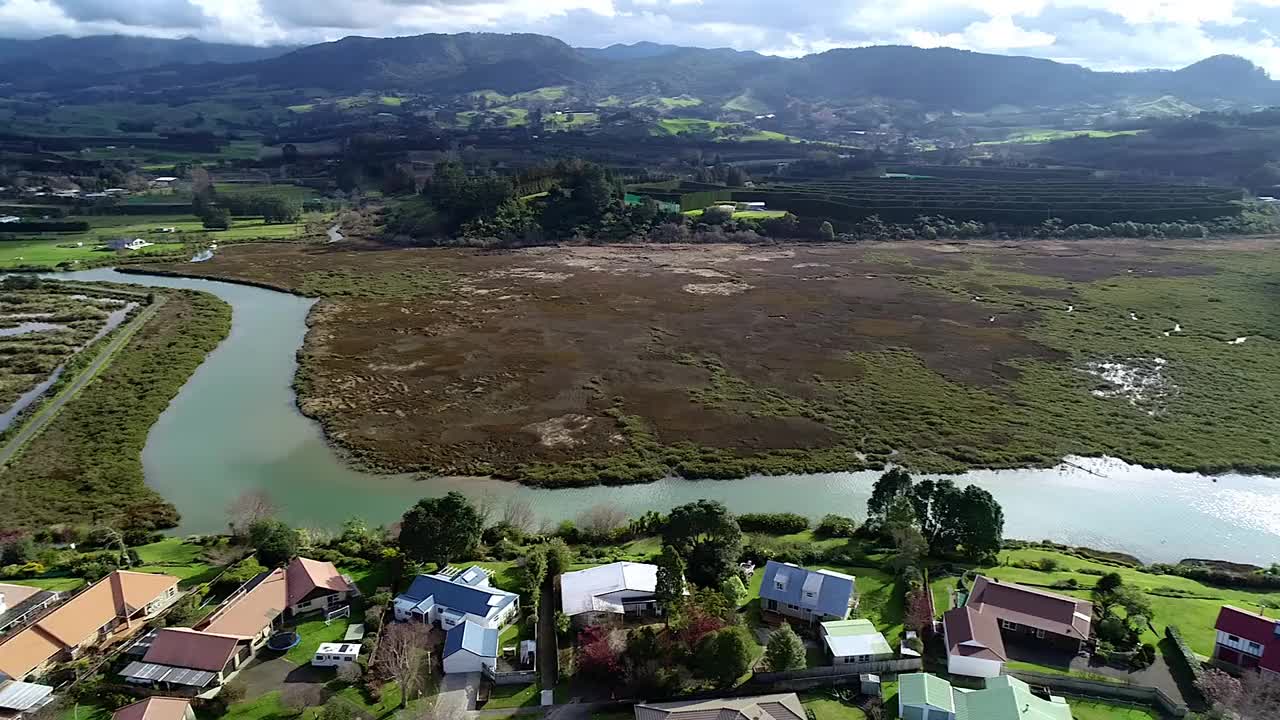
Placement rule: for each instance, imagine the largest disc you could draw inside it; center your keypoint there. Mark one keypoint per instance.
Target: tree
(600, 654)
(893, 484)
(726, 654)
(559, 557)
(734, 590)
(1108, 583)
(785, 650)
(919, 614)
(297, 697)
(441, 529)
(980, 523)
(184, 612)
(1136, 604)
(669, 591)
(336, 708)
(216, 218)
(275, 542)
(1219, 688)
(535, 572)
(902, 527)
(707, 536)
(402, 656)
(1256, 697)
(248, 508)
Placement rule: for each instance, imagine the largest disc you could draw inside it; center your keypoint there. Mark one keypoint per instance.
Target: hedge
(70, 226)
(1190, 663)
(773, 523)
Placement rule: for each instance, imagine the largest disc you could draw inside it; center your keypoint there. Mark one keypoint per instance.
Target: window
(1255, 648)
(779, 585)
(1233, 638)
(1008, 625)
(810, 595)
(1039, 633)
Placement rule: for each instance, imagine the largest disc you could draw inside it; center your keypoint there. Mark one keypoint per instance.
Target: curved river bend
(235, 426)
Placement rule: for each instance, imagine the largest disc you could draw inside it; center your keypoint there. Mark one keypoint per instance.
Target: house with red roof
(1247, 640)
(995, 614)
(312, 585)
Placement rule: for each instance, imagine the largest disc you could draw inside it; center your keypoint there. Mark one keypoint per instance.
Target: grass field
(1190, 605)
(825, 707)
(174, 556)
(745, 214)
(1037, 137)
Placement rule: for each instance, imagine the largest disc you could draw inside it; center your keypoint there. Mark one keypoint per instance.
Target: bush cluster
(773, 523)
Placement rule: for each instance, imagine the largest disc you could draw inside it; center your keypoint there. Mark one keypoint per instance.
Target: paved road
(457, 696)
(46, 415)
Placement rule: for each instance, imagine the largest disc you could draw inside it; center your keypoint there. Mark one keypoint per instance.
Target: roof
(118, 595)
(970, 634)
(1255, 628)
(823, 591)
(252, 609)
(456, 596)
(925, 689)
(762, 707)
(303, 576)
(21, 600)
(153, 672)
(473, 638)
(848, 638)
(1058, 614)
(338, 649)
(1008, 698)
(582, 591)
(181, 647)
(22, 696)
(155, 708)
(17, 594)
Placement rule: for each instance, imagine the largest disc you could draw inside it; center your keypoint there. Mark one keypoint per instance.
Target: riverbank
(85, 466)
(567, 367)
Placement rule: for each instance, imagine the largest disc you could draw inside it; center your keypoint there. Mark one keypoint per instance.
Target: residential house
(112, 609)
(163, 183)
(450, 600)
(20, 603)
(19, 699)
(928, 697)
(128, 244)
(156, 708)
(761, 707)
(995, 615)
(1247, 640)
(253, 611)
(336, 654)
(470, 648)
(855, 641)
(606, 594)
(187, 661)
(316, 586)
(7, 219)
(809, 595)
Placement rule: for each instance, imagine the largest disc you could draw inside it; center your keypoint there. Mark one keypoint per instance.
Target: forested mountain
(444, 65)
(102, 54)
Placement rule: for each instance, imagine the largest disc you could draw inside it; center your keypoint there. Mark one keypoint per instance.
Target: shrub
(836, 526)
(773, 523)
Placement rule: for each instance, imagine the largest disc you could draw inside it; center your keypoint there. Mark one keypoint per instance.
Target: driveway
(457, 696)
(1157, 676)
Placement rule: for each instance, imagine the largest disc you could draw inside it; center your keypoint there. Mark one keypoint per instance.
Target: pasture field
(1038, 136)
(583, 365)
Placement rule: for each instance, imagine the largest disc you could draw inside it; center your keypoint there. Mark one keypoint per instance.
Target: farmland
(1037, 136)
(577, 366)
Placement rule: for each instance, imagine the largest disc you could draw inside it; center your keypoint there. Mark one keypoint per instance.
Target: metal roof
(478, 601)
(152, 672)
(473, 638)
(822, 591)
(22, 696)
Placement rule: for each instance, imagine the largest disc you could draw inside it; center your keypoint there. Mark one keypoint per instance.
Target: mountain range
(445, 65)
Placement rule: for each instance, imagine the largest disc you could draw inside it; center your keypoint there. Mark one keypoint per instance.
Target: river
(235, 427)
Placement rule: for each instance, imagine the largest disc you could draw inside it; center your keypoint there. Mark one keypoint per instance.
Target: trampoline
(284, 641)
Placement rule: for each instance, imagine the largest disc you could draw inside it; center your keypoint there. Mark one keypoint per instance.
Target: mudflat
(575, 365)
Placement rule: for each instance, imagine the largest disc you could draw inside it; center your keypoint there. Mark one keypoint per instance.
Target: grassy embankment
(1038, 136)
(86, 466)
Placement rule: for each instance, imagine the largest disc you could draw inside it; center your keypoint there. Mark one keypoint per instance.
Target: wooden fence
(1092, 689)
(834, 674)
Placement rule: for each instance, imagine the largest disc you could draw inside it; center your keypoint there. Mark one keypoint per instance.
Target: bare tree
(518, 513)
(602, 520)
(1260, 699)
(300, 696)
(403, 655)
(485, 504)
(247, 509)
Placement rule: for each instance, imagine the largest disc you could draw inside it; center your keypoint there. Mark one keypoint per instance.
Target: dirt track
(466, 361)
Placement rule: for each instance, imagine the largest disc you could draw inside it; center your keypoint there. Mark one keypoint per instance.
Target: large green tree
(726, 655)
(893, 484)
(979, 523)
(785, 650)
(707, 536)
(441, 529)
(669, 591)
(275, 542)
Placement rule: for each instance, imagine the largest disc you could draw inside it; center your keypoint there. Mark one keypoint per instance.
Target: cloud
(1105, 34)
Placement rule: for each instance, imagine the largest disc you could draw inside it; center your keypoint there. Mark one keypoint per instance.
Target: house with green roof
(927, 697)
(855, 641)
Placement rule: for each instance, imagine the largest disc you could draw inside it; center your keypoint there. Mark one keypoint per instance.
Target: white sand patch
(1141, 381)
(800, 266)
(530, 274)
(769, 256)
(560, 431)
(729, 288)
(700, 272)
(1238, 341)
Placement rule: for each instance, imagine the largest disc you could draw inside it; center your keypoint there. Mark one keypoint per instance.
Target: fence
(519, 677)
(1152, 697)
(833, 674)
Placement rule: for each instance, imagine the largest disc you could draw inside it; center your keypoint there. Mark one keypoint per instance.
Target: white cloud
(1110, 34)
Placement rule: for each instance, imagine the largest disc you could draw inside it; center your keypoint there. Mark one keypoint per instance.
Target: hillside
(60, 55)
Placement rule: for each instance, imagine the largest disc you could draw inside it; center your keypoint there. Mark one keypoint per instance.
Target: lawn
(745, 214)
(173, 556)
(57, 584)
(1191, 605)
(513, 696)
(313, 633)
(825, 707)
(79, 711)
(1038, 137)
(1085, 710)
(268, 706)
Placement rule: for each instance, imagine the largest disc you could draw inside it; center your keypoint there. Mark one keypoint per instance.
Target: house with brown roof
(995, 615)
(21, 603)
(110, 610)
(314, 586)
(156, 708)
(761, 707)
(252, 611)
(185, 661)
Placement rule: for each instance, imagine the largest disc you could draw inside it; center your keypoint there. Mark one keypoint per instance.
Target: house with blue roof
(449, 600)
(470, 648)
(814, 596)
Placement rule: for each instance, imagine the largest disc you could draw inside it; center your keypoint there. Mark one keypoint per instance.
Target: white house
(336, 654)
(470, 648)
(609, 592)
(450, 600)
(855, 641)
(10, 219)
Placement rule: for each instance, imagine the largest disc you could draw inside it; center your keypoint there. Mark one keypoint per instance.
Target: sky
(1102, 34)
